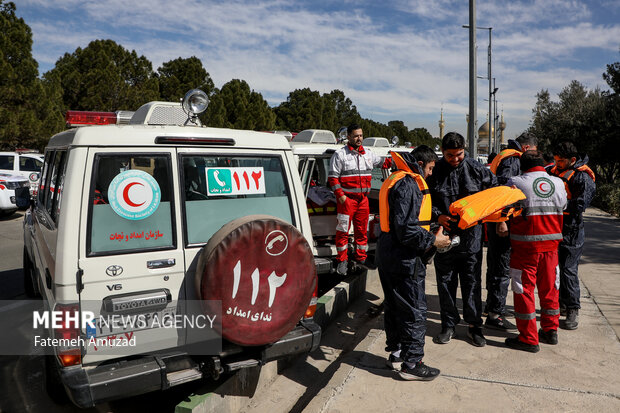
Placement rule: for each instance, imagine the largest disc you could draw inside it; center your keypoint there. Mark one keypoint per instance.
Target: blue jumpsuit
(582, 189)
(498, 249)
(464, 263)
(402, 271)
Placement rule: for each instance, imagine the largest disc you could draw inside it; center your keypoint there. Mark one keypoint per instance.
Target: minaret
(441, 125)
(502, 126)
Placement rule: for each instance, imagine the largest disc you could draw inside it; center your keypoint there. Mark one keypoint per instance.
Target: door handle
(165, 263)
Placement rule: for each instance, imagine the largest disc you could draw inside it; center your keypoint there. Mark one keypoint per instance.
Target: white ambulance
(162, 219)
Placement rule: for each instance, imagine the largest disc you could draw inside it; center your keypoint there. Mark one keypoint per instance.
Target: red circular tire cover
(262, 269)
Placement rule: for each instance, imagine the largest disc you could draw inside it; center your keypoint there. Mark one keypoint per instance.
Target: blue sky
(395, 59)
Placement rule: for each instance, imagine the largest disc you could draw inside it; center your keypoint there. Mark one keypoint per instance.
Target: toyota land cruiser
(137, 219)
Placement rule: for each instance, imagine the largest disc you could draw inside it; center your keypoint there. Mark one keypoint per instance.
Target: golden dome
(483, 131)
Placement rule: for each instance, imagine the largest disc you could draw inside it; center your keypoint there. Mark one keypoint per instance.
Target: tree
(24, 104)
(421, 136)
(215, 115)
(612, 76)
(104, 76)
(236, 106)
(345, 112)
(543, 121)
(588, 118)
(302, 110)
(399, 129)
(609, 143)
(178, 76)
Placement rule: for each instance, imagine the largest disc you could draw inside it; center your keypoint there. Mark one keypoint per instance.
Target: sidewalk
(348, 373)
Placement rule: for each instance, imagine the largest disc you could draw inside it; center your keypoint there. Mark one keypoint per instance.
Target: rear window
(219, 189)
(130, 204)
(7, 161)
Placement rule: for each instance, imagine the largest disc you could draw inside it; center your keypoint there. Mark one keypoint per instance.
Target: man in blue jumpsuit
(456, 176)
(401, 268)
(580, 188)
(506, 165)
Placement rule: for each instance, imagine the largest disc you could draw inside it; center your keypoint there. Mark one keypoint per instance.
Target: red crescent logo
(540, 186)
(126, 195)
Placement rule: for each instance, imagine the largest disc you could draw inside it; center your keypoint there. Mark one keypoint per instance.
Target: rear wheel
(53, 386)
(262, 270)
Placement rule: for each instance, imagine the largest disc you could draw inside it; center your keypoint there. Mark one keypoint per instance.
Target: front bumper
(126, 378)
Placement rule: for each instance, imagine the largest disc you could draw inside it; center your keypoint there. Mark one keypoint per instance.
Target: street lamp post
(489, 78)
(495, 89)
(471, 126)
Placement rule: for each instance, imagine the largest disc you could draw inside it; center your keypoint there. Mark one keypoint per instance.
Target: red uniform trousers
(354, 210)
(530, 269)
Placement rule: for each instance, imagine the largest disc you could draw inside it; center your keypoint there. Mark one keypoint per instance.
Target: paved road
(581, 373)
(11, 246)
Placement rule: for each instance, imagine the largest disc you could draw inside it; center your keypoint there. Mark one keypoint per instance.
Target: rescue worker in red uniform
(350, 175)
(580, 188)
(505, 165)
(405, 210)
(535, 236)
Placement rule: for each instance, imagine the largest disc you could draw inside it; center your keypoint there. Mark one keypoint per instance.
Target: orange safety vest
(568, 174)
(491, 205)
(424, 216)
(506, 153)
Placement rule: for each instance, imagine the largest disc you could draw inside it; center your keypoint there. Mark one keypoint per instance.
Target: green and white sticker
(235, 181)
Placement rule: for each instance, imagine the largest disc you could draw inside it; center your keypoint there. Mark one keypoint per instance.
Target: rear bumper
(127, 378)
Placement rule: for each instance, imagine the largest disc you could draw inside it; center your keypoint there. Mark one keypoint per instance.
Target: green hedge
(607, 198)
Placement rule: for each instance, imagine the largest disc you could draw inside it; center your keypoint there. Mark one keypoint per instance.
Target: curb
(234, 393)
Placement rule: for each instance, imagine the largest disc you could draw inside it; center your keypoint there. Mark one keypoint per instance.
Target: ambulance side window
(57, 181)
(45, 177)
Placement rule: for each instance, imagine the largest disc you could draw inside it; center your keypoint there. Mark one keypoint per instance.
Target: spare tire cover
(262, 269)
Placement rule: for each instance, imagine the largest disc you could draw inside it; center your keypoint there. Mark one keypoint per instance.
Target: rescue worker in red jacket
(350, 175)
(405, 210)
(505, 165)
(535, 236)
(580, 187)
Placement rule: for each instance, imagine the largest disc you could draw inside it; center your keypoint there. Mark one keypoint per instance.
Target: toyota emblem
(114, 270)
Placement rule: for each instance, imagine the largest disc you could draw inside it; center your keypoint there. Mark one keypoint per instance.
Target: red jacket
(350, 171)
(539, 227)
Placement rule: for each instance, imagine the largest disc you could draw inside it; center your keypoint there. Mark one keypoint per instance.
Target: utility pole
(473, 123)
(491, 122)
(489, 76)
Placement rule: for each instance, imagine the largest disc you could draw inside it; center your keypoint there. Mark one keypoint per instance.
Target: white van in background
(27, 165)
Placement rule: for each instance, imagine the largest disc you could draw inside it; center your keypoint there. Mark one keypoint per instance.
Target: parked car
(25, 164)
(8, 185)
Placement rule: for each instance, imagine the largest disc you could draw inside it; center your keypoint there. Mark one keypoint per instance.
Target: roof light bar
(189, 140)
(80, 117)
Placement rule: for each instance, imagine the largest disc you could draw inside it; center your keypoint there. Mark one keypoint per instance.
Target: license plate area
(116, 324)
